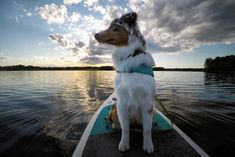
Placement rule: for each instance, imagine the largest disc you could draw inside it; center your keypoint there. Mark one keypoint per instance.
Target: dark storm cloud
(219, 14)
(181, 25)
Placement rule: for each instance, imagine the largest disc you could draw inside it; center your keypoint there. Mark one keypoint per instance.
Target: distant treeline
(177, 69)
(226, 63)
(30, 67)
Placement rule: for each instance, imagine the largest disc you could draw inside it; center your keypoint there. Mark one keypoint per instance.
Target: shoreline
(176, 70)
(91, 68)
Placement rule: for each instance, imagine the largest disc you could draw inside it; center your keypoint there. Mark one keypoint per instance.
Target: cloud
(168, 26)
(3, 56)
(60, 40)
(96, 59)
(90, 2)
(96, 48)
(99, 8)
(69, 2)
(87, 3)
(29, 14)
(93, 51)
(75, 17)
(65, 42)
(53, 13)
(183, 25)
(79, 40)
(17, 19)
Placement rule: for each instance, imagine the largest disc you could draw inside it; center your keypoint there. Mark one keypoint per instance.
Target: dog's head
(122, 32)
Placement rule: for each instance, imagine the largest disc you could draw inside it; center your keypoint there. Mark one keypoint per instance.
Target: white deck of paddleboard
(82, 143)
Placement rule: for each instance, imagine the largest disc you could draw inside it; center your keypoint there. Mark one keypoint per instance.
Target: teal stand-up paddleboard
(101, 140)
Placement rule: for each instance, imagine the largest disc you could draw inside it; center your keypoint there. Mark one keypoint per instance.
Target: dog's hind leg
(122, 108)
(147, 118)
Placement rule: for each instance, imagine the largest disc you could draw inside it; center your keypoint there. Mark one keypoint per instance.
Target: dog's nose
(96, 36)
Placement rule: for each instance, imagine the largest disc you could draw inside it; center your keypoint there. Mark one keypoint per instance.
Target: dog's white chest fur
(135, 92)
(133, 88)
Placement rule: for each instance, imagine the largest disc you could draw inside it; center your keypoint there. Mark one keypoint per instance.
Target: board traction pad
(103, 140)
(101, 126)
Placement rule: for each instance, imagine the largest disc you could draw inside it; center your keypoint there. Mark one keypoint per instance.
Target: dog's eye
(113, 28)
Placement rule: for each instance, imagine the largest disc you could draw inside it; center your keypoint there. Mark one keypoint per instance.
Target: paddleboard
(101, 140)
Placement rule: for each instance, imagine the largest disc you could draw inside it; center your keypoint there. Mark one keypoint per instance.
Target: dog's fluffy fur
(135, 91)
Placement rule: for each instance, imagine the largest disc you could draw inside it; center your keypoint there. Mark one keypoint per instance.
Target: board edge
(82, 142)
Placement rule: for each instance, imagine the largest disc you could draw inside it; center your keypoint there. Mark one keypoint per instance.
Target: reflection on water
(203, 106)
(48, 106)
(43, 113)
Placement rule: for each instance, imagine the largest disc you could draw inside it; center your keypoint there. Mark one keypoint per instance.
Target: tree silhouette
(226, 63)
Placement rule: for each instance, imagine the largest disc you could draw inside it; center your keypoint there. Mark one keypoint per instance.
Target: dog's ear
(130, 18)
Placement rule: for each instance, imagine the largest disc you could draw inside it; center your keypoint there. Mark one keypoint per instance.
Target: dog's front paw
(148, 146)
(123, 146)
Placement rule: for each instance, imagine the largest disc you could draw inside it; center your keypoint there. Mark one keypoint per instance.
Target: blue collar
(142, 69)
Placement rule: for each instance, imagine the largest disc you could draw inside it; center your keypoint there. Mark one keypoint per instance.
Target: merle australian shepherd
(134, 82)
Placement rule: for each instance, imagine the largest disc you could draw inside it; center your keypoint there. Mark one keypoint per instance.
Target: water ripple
(45, 112)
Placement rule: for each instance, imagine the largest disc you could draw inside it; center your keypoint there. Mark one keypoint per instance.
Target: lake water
(43, 113)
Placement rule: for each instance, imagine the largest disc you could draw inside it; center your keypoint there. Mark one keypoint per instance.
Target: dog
(134, 81)
(113, 117)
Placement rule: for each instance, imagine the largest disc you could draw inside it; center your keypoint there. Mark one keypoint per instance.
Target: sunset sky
(179, 33)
